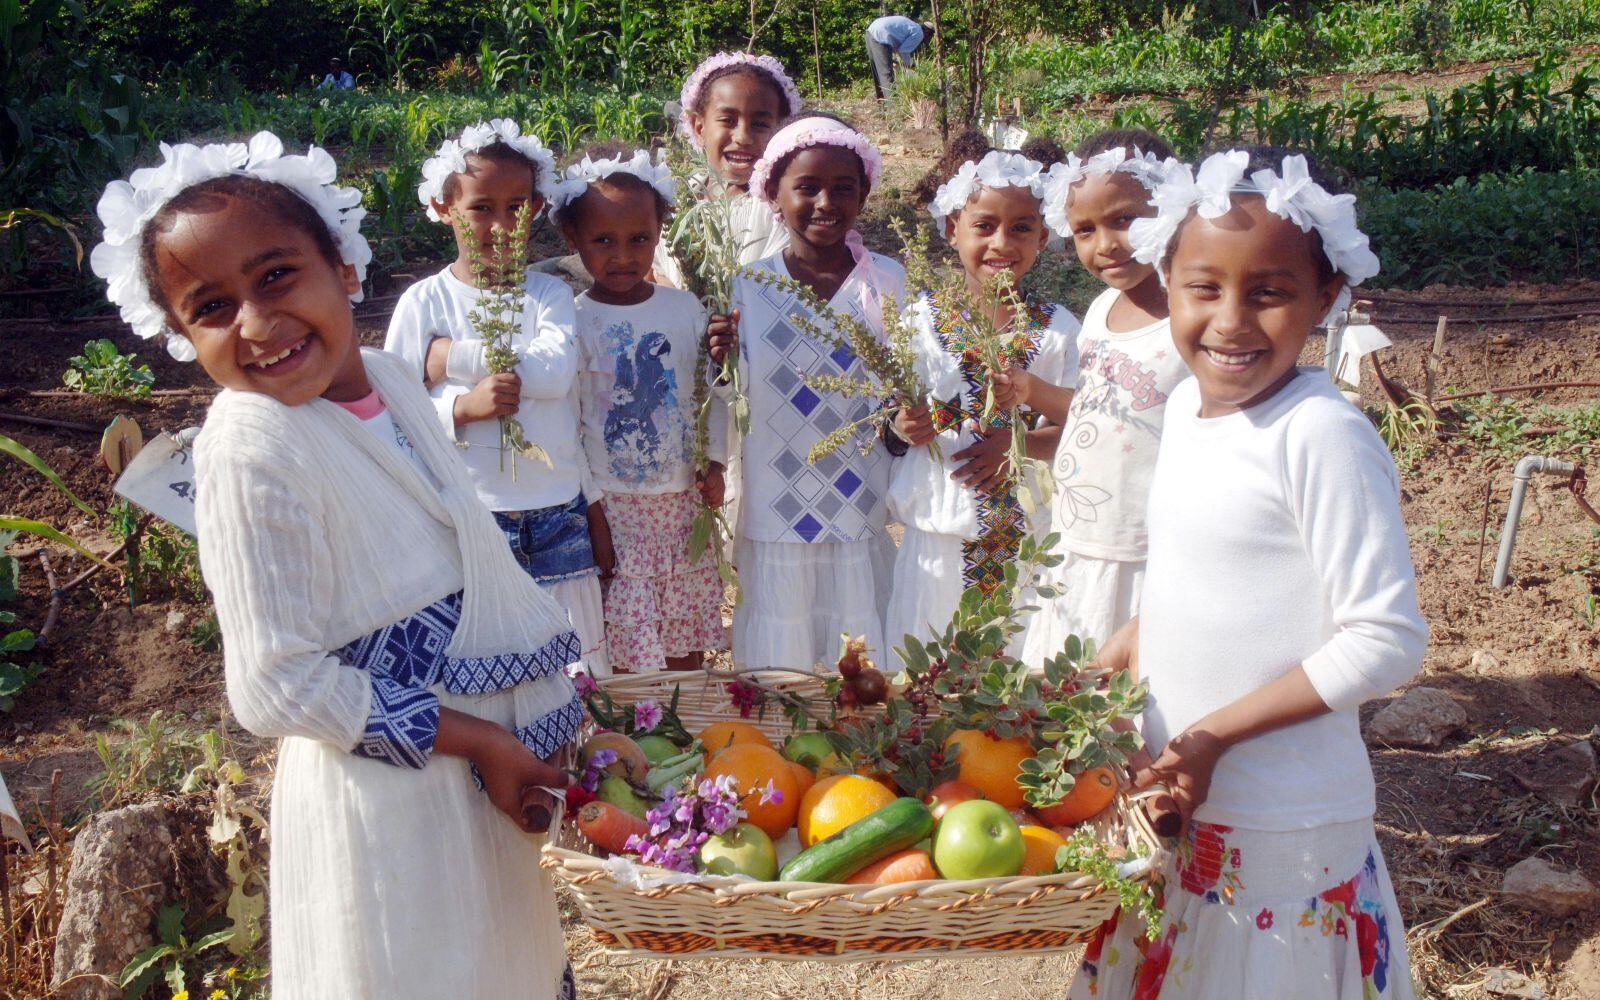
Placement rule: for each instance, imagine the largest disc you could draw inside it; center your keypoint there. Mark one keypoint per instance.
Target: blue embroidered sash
(408, 657)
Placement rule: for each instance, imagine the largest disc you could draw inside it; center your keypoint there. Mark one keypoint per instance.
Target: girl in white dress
(372, 616)
(962, 530)
(813, 556)
(484, 178)
(1280, 596)
(1127, 367)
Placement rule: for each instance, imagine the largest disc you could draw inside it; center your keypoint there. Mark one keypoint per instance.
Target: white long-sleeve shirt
(547, 350)
(1276, 540)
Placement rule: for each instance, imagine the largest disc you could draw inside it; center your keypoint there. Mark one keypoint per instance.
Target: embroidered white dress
(1102, 475)
(955, 537)
(1291, 509)
(813, 556)
(391, 877)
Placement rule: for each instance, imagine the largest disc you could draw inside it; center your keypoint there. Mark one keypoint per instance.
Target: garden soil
(1451, 820)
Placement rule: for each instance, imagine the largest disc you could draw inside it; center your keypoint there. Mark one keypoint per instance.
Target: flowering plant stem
(496, 317)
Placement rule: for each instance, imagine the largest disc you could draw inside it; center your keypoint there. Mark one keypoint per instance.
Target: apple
(948, 793)
(744, 850)
(809, 749)
(657, 748)
(978, 839)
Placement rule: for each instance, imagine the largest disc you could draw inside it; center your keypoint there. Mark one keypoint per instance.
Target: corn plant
(389, 34)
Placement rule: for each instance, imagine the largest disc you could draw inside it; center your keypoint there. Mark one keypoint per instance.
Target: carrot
(910, 865)
(608, 827)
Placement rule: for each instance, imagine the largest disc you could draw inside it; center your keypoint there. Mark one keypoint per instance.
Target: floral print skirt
(1298, 915)
(659, 604)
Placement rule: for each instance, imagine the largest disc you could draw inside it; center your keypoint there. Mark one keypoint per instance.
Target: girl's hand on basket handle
(1185, 768)
(513, 776)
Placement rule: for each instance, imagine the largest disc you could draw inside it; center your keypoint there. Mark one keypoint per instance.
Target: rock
(1510, 983)
(175, 620)
(121, 866)
(1422, 717)
(1564, 776)
(1535, 885)
(1483, 662)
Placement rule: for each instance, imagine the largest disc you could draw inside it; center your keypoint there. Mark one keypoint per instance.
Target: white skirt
(927, 588)
(799, 598)
(581, 598)
(392, 882)
(1301, 915)
(1094, 598)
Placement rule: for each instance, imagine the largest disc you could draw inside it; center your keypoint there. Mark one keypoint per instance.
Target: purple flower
(745, 697)
(583, 681)
(592, 771)
(771, 794)
(646, 716)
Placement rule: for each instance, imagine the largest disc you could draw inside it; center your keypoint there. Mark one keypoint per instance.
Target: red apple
(949, 793)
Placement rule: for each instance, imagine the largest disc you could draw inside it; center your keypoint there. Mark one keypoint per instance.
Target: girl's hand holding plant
(914, 424)
(494, 397)
(605, 554)
(712, 485)
(722, 336)
(1012, 388)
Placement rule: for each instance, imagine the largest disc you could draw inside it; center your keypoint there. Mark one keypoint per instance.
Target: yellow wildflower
(231, 972)
(218, 995)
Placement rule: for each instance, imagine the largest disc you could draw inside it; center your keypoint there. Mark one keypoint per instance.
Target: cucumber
(892, 828)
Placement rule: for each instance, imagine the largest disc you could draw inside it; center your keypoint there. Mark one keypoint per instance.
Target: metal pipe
(1526, 467)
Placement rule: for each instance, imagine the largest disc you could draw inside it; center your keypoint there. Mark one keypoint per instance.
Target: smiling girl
(963, 527)
(812, 551)
(550, 515)
(1280, 596)
(1127, 368)
(372, 618)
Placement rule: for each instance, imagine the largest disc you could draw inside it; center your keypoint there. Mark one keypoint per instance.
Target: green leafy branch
(1083, 853)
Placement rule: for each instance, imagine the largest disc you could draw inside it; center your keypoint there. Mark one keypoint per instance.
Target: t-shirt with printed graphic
(841, 498)
(637, 367)
(1108, 448)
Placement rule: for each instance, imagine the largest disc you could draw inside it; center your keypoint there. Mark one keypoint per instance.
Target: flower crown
(451, 158)
(577, 178)
(996, 169)
(1146, 168)
(692, 87)
(127, 206)
(814, 130)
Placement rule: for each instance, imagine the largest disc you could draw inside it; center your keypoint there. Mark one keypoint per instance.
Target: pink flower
(745, 697)
(584, 682)
(770, 795)
(1264, 919)
(646, 716)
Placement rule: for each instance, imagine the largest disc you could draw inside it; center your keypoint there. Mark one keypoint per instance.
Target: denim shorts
(551, 543)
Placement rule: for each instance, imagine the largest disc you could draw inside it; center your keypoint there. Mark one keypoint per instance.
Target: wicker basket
(840, 923)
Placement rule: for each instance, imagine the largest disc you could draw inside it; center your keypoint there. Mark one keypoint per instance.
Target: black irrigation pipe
(71, 425)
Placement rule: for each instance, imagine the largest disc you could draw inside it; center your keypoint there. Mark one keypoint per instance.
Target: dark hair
(783, 162)
(1127, 138)
(274, 200)
(1043, 149)
(1271, 158)
(969, 144)
(742, 69)
(628, 182)
(496, 152)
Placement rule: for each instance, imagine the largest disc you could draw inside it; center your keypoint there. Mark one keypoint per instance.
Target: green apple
(978, 839)
(809, 749)
(657, 748)
(744, 850)
(621, 794)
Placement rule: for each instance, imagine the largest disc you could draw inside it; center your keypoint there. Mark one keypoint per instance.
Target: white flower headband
(996, 169)
(690, 96)
(577, 178)
(127, 206)
(1290, 195)
(1146, 168)
(451, 158)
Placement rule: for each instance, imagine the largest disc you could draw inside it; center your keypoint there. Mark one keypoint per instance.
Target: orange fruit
(910, 865)
(1094, 791)
(751, 768)
(803, 777)
(720, 735)
(1039, 847)
(834, 803)
(990, 765)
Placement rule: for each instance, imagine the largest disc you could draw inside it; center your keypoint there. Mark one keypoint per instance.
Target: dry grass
(32, 891)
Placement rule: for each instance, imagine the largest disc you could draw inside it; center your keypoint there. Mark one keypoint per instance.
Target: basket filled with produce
(969, 805)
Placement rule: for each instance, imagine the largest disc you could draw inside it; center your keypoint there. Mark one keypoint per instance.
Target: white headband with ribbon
(576, 179)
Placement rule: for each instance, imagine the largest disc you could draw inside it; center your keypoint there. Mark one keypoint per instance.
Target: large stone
(1564, 776)
(1483, 662)
(1422, 717)
(121, 868)
(1534, 884)
(1511, 983)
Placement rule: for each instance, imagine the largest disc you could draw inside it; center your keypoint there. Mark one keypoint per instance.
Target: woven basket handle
(1159, 807)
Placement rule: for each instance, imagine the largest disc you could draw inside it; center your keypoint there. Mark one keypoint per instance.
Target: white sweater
(440, 306)
(314, 533)
(1276, 540)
